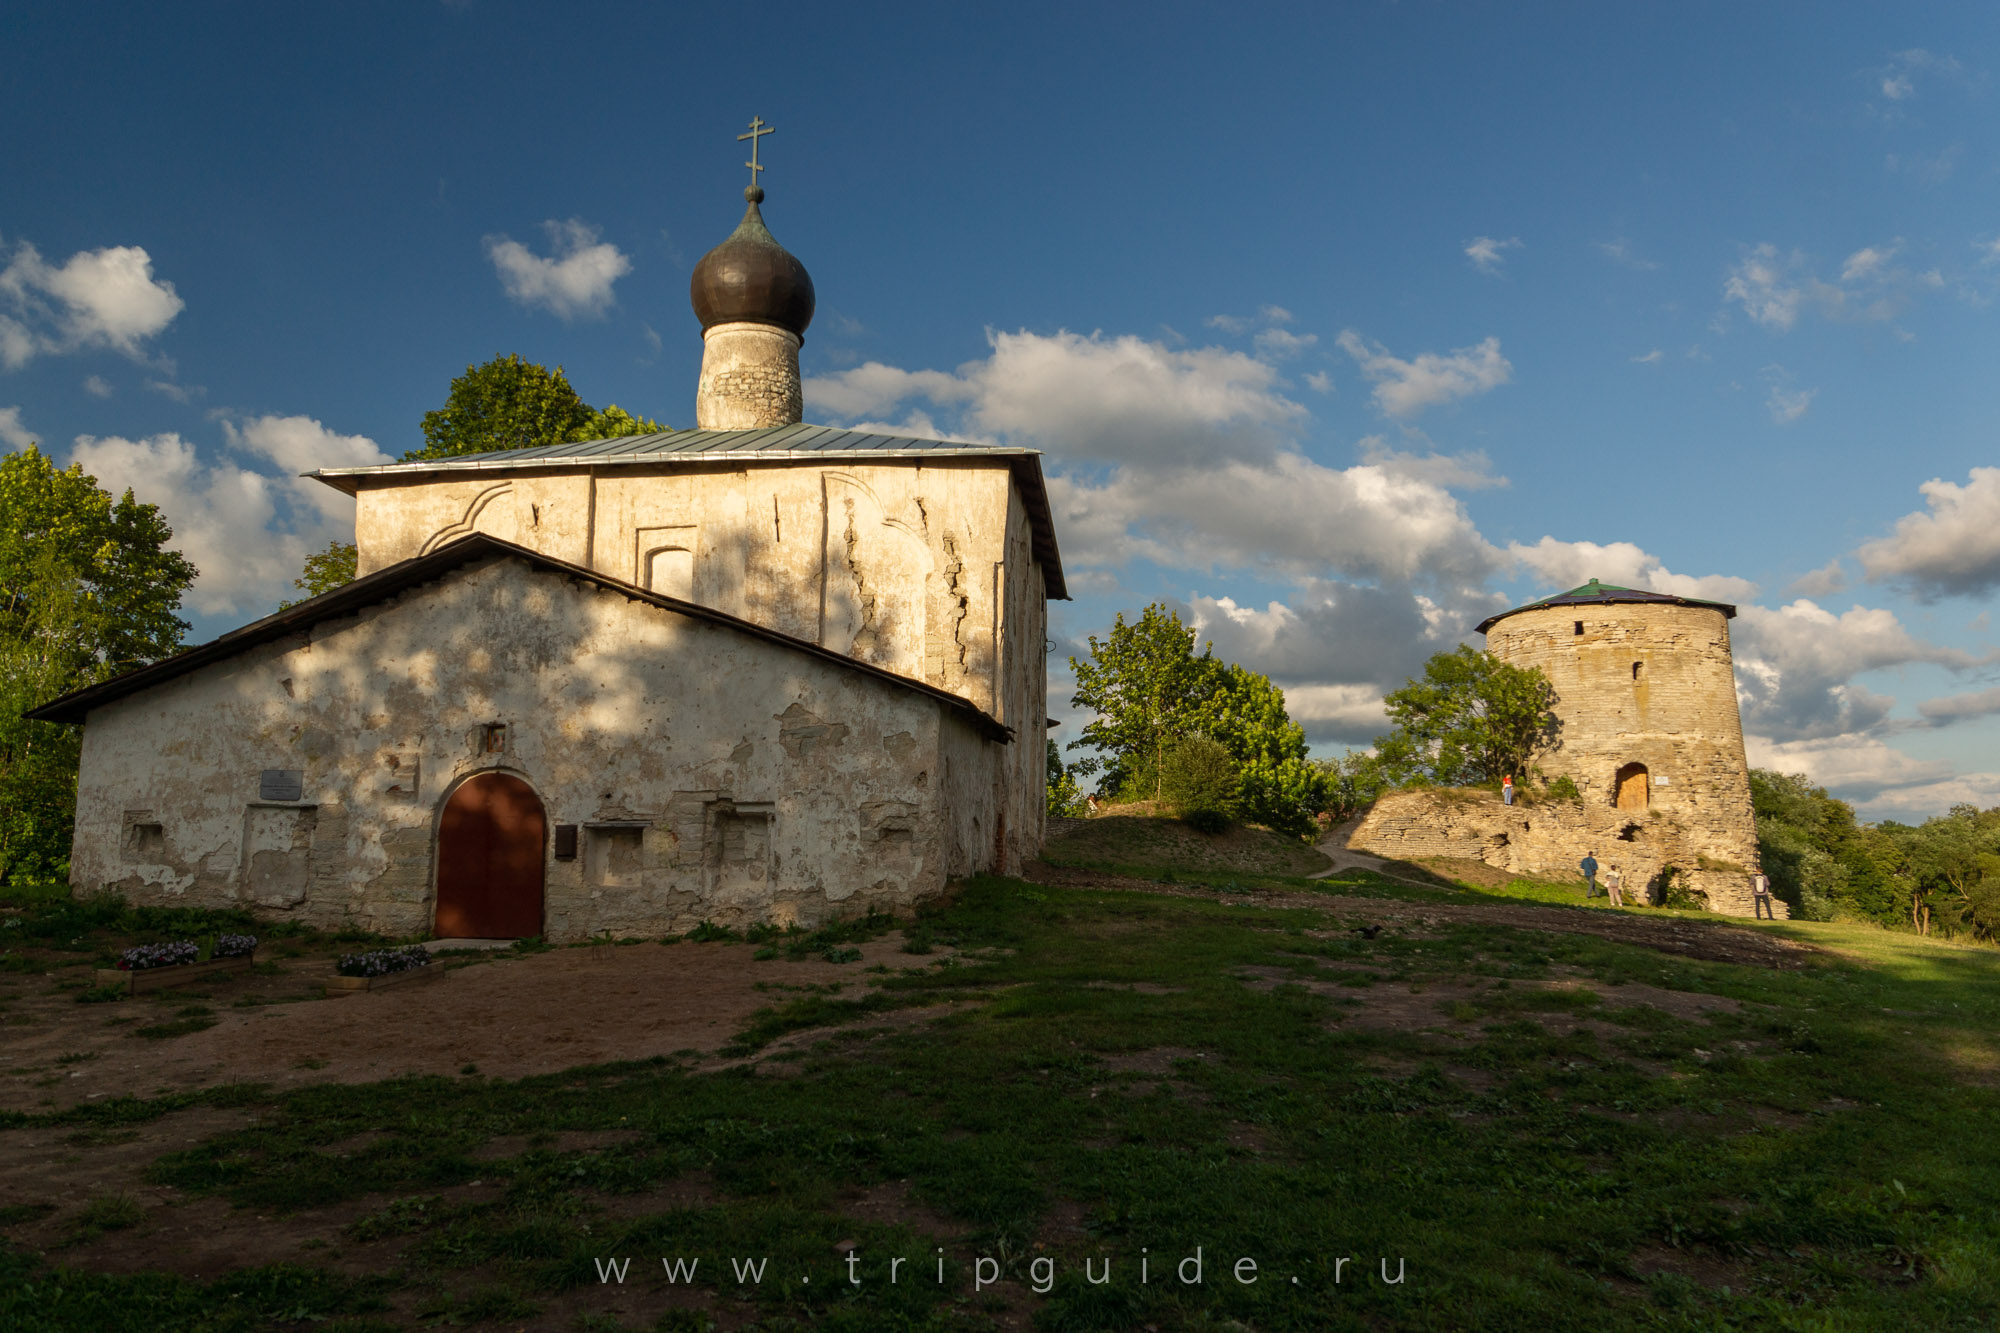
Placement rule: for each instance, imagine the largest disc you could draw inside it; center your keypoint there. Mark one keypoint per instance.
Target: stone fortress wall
(1648, 731)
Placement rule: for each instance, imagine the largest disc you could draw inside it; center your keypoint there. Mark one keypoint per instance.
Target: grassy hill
(1535, 1127)
(1146, 842)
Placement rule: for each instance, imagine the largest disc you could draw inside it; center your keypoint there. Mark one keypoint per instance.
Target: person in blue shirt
(1589, 864)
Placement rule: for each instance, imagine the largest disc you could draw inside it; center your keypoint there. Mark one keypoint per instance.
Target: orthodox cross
(758, 129)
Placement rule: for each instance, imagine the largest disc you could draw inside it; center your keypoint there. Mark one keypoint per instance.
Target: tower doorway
(489, 868)
(1634, 788)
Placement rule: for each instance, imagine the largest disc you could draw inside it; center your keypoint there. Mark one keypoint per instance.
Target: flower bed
(384, 962)
(178, 962)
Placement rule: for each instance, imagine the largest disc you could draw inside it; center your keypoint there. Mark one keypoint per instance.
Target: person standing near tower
(1760, 895)
(1614, 882)
(1507, 790)
(1589, 867)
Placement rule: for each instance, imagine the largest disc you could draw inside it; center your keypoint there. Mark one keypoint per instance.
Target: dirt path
(511, 1017)
(1687, 936)
(1335, 849)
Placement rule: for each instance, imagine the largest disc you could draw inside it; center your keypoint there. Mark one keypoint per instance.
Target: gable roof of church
(775, 444)
(385, 583)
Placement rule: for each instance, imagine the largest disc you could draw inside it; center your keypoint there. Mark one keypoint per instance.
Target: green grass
(1147, 844)
(1830, 1152)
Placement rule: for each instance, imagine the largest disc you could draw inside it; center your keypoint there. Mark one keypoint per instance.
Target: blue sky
(1342, 326)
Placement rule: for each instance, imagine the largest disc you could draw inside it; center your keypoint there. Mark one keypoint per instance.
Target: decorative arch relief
(474, 520)
(663, 560)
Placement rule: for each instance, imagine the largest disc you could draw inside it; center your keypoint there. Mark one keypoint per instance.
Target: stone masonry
(1648, 730)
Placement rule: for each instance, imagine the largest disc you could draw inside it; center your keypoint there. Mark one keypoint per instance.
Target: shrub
(1563, 789)
(234, 946)
(1198, 781)
(1670, 887)
(1206, 821)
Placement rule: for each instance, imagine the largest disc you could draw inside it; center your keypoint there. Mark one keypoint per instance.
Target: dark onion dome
(1594, 593)
(750, 278)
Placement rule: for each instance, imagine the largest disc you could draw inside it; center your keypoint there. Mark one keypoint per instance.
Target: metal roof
(406, 574)
(776, 444)
(1594, 593)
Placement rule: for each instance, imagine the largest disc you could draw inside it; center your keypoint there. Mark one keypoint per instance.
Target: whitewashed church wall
(895, 564)
(616, 713)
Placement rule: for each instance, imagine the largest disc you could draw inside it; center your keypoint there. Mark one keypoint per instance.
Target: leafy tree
(1149, 688)
(1957, 856)
(1352, 781)
(1470, 718)
(1065, 801)
(1819, 857)
(509, 403)
(87, 590)
(325, 571)
(1146, 685)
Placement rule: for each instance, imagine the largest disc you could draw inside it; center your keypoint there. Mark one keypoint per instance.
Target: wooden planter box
(179, 974)
(433, 971)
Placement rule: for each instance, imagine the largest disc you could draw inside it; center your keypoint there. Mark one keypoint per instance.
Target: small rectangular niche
(1579, 627)
(145, 838)
(614, 856)
(493, 738)
(565, 843)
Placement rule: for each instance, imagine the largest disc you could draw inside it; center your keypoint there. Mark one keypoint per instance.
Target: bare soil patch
(511, 1017)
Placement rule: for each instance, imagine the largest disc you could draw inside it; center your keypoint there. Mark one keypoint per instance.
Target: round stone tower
(1648, 724)
(754, 300)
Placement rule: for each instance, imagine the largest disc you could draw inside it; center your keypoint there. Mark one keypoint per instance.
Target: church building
(757, 671)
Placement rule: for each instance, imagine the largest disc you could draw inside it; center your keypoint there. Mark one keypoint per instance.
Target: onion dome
(750, 278)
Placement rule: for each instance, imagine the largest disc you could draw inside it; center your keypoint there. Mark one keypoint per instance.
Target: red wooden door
(489, 876)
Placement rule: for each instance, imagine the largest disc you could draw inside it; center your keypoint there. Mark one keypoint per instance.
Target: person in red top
(1507, 789)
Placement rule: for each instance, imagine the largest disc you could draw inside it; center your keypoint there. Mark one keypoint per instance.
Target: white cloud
(97, 386)
(1405, 388)
(1960, 707)
(180, 393)
(12, 432)
(1287, 514)
(1896, 80)
(1772, 289)
(1650, 358)
(1796, 664)
(1828, 578)
(1337, 647)
(1950, 550)
(1867, 261)
(1565, 564)
(1487, 254)
(1319, 381)
(1621, 251)
(1121, 399)
(1277, 344)
(575, 280)
(97, 298)
(1785, 401)
(246, 529)
(1776, 288)
(1854, 767)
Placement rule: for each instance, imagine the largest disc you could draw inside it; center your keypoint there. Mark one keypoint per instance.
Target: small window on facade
(565, 842)
(1635, 669)
(1579, 627)
(493, 738)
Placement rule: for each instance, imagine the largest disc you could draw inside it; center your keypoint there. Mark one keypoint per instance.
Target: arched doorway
(489, 869)
(1634, 788)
